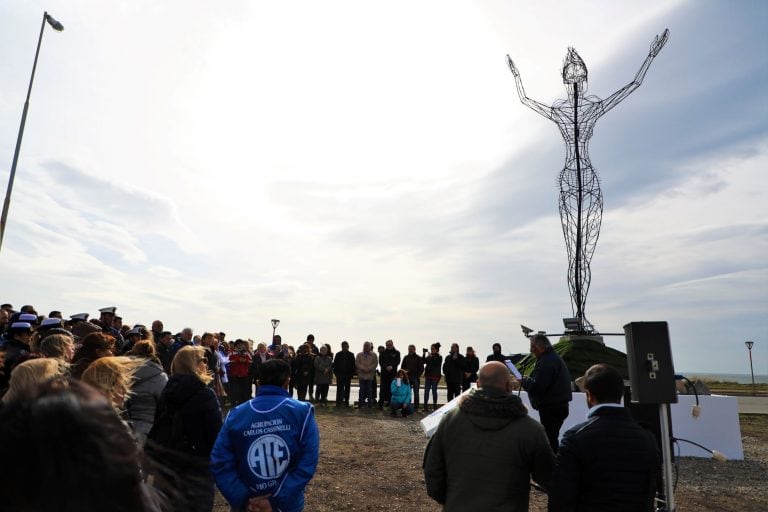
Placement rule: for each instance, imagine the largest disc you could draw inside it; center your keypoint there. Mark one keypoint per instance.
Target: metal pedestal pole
(666, 451)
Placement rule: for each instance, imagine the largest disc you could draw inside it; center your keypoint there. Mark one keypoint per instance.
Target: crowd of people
(154, 437)
(159, 398)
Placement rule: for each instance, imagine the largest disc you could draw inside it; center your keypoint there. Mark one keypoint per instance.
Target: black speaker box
(649, 362)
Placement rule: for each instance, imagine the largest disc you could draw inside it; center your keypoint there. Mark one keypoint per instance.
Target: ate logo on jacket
(268, 457)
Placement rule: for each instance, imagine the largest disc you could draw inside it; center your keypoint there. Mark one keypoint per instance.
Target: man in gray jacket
(487, 449)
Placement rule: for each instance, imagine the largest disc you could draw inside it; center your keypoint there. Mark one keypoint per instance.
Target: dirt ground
(371, 462)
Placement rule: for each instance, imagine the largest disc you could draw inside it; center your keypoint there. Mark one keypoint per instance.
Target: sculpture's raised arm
(541, 108)
(616, 98)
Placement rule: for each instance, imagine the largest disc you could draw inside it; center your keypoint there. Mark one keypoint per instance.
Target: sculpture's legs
(581, 229)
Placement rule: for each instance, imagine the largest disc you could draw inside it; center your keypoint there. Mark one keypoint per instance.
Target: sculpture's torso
(590, 108)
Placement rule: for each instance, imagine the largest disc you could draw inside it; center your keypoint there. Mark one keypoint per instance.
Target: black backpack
(168, 430)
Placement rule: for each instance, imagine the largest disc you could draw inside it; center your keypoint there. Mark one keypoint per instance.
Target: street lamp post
(275, 323)
(47, 18)
(751, 370)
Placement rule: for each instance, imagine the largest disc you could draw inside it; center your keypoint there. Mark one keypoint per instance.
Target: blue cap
(27, 317)
(50, 322)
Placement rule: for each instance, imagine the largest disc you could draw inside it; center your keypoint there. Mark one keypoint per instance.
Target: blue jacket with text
(268, 445)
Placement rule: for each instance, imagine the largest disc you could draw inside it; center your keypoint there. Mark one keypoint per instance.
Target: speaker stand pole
(666, 451)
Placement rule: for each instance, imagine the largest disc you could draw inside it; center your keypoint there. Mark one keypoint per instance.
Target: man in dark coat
(107, 321)
(453, 369)
(303, 369)
(157, 331)
(163, 347)
(184, 339)
(314, 351)
(414, 365)
(608, 462)
(389, 361)
(549, 387)
(485, 451)
(344, 369)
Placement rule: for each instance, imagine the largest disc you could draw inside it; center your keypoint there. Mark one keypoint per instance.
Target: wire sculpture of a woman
(581, 202)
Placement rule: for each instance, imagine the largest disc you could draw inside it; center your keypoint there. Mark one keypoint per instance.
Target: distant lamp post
(275, 323)
(47, 18)
(751, 370)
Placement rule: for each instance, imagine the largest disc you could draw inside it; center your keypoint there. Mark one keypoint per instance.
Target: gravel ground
(371, 462)
(704, 484)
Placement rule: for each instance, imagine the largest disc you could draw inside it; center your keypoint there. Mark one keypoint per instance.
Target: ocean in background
(740, 378)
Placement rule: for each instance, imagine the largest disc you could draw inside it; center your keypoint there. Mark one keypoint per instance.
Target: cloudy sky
(365, 170)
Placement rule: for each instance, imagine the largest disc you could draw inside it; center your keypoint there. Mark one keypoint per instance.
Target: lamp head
(55, 25)
(749, 344)
(275, 323)
(571, 324)
(526, 330)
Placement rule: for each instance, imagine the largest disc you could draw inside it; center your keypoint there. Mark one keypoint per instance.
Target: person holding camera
(432, 365)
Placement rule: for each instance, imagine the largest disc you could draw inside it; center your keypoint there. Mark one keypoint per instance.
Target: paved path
(753, 404)
(747, 404)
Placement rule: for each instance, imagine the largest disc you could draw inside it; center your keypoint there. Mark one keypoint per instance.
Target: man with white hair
(548, 387)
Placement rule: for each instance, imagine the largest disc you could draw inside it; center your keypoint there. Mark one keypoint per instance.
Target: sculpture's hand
(658, 43)
(512, 66)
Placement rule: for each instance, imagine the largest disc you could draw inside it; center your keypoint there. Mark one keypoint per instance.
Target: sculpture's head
(574, 69)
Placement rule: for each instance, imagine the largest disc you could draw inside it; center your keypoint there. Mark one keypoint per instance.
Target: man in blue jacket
(267, 451)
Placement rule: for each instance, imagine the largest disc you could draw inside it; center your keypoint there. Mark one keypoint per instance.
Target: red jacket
(239, 362)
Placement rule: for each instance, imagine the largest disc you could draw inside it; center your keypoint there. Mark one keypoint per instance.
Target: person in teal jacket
(401, 395)
(267, 451)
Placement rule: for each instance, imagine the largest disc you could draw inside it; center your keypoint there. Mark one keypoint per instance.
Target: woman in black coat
(303, 371)
(471, 367)
(187, 422)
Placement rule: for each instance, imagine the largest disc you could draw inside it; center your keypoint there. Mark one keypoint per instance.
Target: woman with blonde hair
(58, 346)
(27, 376)
(323, 374)
(112, 376)
(187, 421)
